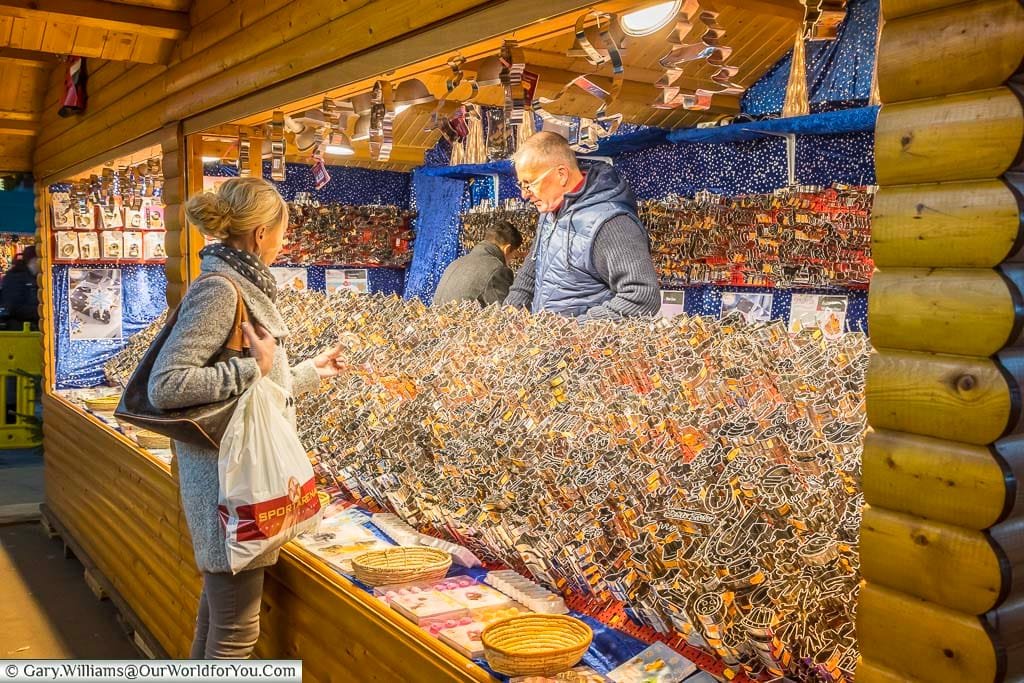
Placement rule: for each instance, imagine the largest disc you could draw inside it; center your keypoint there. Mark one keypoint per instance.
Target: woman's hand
(262, 347)
(326, 363)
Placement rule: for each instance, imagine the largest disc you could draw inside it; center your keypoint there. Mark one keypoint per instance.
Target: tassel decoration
(797, 102)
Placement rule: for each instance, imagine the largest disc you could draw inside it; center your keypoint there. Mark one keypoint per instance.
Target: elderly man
(591, 257)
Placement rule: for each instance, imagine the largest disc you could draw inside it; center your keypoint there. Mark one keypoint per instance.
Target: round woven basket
(401, 565)
(104, 404)
(535, 644)
(152, 440)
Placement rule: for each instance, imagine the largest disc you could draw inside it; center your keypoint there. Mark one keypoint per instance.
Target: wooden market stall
(942, 542)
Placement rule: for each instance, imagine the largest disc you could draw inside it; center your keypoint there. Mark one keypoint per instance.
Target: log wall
(942, 538)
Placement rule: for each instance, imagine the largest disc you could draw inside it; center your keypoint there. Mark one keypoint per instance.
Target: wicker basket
(103, 404)
(152, 440)
(401, 565)
(535, 644)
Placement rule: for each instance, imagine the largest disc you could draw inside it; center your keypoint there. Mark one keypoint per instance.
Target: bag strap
(236, 340)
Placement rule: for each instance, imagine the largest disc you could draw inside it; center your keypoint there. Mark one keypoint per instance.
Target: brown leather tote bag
(201, 425)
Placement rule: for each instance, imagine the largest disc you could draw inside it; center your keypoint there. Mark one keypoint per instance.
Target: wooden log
(924, 641)
(120, 569)
(869, 672)
(945, 481)
(894, 9)
(1008, 623)
(970, 312)
(974, 224)
(949, 566)
(972, 136)
(955, 49)
(951, 397)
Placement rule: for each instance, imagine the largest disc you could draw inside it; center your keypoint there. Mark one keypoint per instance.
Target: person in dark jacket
(483, 274)
(19, 292)
(591, 257)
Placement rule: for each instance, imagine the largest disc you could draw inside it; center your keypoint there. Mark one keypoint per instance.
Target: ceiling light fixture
(339, 145)
(650, 19)
(362, 131)
(410, 93)
(210, 160)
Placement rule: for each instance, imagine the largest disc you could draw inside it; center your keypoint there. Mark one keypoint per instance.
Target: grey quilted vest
(566, 280)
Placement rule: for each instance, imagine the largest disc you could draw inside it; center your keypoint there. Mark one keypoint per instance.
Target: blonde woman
(249, 218)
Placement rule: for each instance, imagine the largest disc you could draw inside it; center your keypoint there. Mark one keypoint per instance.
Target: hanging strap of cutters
(382, 121)
(277, 147)
(244, 151)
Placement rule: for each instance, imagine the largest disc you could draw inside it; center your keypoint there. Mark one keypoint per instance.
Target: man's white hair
(543, 149)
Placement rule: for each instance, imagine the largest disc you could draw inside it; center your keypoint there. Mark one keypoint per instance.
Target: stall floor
(46, 609)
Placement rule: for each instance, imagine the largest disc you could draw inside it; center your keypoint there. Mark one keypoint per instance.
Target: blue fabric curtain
(439, 201)
(839, 72)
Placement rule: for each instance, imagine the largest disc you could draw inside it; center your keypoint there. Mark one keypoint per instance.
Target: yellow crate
(21, 363)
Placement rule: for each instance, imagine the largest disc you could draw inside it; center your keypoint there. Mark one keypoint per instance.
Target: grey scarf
(246, 264)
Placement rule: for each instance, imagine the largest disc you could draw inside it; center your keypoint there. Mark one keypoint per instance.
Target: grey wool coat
(481, 276)
(181, 378)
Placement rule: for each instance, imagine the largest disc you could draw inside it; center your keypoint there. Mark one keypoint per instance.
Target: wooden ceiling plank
(119, 46)
(59, 37)
(15, 164)
(18, 127)
(27, 34)
(89, 42)
(791, 9)
(101, 14)
(28, 58)
(170, 5)
(5, 30)
(18, 115)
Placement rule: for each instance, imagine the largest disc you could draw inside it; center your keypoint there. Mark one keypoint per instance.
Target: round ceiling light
(650, 19)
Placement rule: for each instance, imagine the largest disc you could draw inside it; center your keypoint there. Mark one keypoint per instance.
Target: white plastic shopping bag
(267, 489)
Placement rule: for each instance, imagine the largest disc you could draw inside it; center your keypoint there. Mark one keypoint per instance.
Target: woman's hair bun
(240, 206)
(210, 214)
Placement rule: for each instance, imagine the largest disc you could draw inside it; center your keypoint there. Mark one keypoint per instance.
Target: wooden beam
(18, 127)
(19, 164)
(778, 8)
(30, 58)
(100, 14)
(15, 115)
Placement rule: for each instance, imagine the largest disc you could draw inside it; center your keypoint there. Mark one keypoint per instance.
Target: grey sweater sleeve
(521, 293)
(622, 258)
(304, 377)
(180, 377)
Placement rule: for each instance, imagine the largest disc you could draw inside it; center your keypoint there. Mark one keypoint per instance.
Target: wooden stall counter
(117, 506)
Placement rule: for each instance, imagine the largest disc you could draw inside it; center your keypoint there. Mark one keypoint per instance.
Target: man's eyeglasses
(531, 187)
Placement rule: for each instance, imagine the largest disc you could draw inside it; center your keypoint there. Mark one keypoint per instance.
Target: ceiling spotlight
(489, 71)
(339, 145)
(410, 93)
(361, 104)
(650, 19)
(306, 139)
(362, 131)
